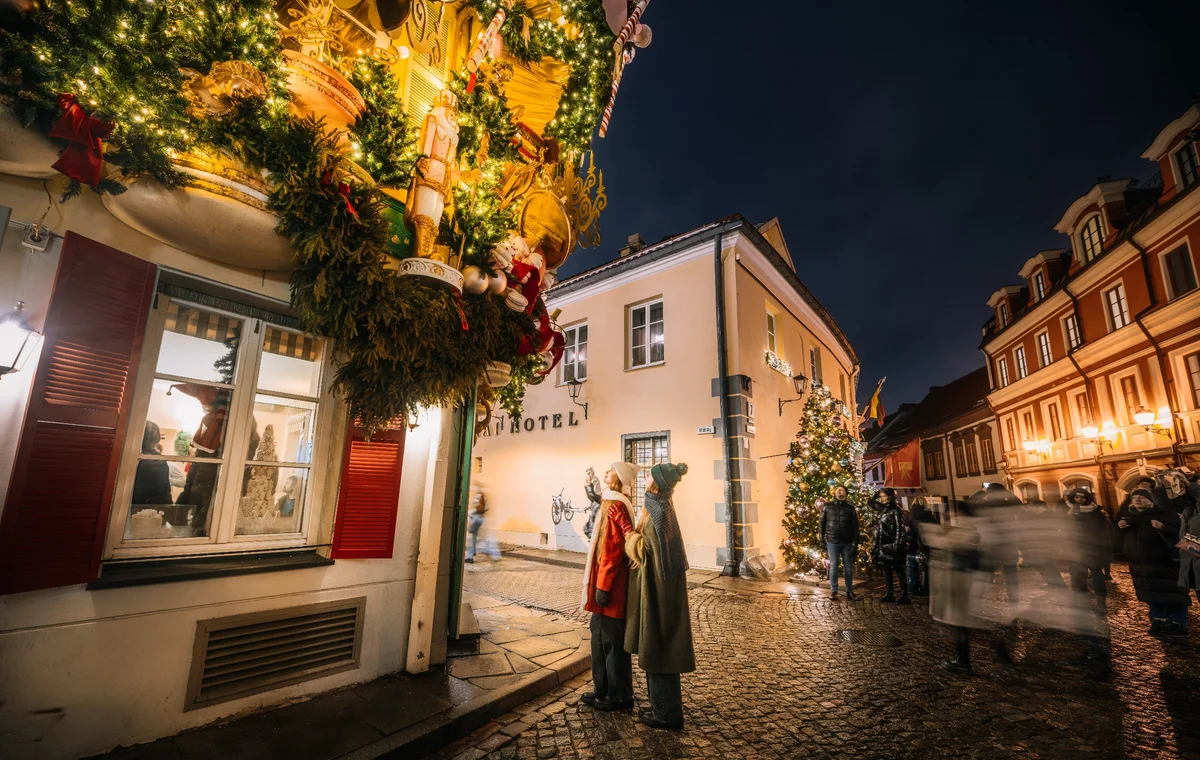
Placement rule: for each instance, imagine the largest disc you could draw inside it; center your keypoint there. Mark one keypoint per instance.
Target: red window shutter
(56, 514)
(365, 527)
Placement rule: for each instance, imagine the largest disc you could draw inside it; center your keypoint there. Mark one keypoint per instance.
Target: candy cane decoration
(622, 58)
(479, 52)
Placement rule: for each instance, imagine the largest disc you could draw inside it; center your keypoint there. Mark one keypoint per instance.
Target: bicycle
(560, 507)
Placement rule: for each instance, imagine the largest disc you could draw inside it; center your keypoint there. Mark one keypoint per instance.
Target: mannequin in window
(152, 483)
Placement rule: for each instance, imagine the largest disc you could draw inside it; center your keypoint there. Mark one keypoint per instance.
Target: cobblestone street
(773, 681)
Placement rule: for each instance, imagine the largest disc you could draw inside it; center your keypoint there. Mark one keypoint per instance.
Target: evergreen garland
(823, 456)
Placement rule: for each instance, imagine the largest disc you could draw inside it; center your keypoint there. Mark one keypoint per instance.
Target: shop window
(646, 335)
(1181, 278)
(228, 426)
(1116, 308)
(1189, 167)
(645, 451)
(574, 362)
(1091, 238)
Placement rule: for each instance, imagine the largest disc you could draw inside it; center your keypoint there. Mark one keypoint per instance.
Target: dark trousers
(666, 696)
(918, 577)
(962, 644)
(893, 577)
(612, 667)
(1079, 578)
(844, 553)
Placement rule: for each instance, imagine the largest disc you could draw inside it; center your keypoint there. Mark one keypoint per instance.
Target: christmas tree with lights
(823, 456)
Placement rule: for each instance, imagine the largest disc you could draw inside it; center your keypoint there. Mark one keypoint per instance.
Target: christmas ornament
(226, 84)
(475, 281)
(623, 56)
(487, 42)
(431, 180)
(836, 467)
(804, 486)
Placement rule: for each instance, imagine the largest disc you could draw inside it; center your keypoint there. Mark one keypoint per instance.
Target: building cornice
(1039, 258)
(1166, 138)
(1101, 193)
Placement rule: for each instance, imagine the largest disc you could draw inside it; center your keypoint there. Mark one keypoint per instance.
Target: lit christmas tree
(823, 456)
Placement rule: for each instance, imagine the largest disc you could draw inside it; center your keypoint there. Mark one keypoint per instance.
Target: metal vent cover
(247, 654)
(867, 638)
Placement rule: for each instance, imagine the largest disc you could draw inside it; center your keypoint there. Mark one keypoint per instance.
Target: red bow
(343, 190)
(462, 314)
(549, 339)
(83, 157)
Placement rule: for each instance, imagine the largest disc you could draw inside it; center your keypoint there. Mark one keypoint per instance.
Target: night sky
(916, 154)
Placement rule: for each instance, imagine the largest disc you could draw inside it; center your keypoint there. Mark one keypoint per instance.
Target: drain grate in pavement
(867, 638)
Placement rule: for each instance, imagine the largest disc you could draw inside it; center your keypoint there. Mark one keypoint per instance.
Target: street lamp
(799, 382)
(1100, 438)
(17, 340)
(1150, 422)
(573, 387)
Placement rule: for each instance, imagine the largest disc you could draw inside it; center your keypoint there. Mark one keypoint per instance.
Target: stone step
(468, 626)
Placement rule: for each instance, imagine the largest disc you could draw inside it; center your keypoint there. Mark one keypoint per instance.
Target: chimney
(634, 244)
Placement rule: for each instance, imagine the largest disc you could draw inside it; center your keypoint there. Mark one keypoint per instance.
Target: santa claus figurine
(605, 589)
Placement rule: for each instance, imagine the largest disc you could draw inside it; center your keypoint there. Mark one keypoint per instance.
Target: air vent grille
(246, 654)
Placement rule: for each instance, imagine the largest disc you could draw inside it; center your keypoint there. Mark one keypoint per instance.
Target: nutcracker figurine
(432, 180)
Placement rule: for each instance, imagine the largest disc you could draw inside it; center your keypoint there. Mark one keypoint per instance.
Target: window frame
(1022, 364)
(987, 453)
(814, 359)
(628, 440)
(1002, 312)
(1002, 371)
(1121, 394)
(772, 333)
(222, 535)
(960, 459)
(1039, 284)
(1121, 300)
(1191, 366)
(1091, 237)
(1045, 353)
(1189, 149)
(972, 454)
(1053, 422)
(1010, 430)
(567, 333)
(1173, 288)
(1074, 338)
(629, 345)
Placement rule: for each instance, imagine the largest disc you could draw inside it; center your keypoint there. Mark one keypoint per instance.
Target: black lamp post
(800, 382)
(573, 387)
(17, 340)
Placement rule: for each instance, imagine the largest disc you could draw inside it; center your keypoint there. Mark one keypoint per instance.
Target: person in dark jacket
(152, 482)
(1189, 529)
(918, 552)
(889, 550)
(1092, 542)
(1150, 532)
(839, 532)
(1174, 491)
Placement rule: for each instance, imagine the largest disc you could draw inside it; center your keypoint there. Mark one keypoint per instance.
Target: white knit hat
(627, 472)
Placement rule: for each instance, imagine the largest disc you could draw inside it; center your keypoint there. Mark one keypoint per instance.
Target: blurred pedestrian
(1091, 543)
(606, 585)
(838, 531)
(889, 549)
(918, 552)
(1189, 542)
(474, 522)
(1178, 493)
(1040, 539)
(996, 515)
(1150, 531)
(659, 629)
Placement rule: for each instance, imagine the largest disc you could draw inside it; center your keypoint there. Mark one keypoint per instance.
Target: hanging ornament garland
(132, 89)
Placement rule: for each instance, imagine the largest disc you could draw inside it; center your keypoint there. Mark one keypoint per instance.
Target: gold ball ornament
(803, 486)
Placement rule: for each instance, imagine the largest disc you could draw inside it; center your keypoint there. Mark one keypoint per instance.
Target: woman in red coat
(604, 591)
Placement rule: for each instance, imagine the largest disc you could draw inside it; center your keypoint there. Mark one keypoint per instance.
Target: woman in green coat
(658, 628)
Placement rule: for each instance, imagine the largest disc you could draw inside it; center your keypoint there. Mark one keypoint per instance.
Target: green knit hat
(667, 475)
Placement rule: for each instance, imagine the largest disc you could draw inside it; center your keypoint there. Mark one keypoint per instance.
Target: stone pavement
(522, 654)
(774, 681)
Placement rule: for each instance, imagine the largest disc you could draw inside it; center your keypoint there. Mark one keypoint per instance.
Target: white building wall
(84, 671)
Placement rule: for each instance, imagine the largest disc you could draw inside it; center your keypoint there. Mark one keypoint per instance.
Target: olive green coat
(657, 626)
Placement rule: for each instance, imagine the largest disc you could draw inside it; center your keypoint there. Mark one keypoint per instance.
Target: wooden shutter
(55, 518)
(365, 527)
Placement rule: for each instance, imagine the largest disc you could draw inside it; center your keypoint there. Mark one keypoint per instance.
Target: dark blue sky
(916, 154)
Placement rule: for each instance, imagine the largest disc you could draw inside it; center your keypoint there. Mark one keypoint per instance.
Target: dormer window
(1091, 238)
(1039, 285)
(1189, 167)
(1003, 314)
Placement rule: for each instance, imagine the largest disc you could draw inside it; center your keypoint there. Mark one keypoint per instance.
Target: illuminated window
(1043, 341)
(772, 342)
(1193, 368)
(1074, 339)
(989, 455)
(1022, 367)
(646, 335)
(1131, 397)
(1091, 238)
(1056, 432)
(1039, 285)
(574, 362)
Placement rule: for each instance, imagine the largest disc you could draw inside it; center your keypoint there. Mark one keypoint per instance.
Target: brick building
(1094, 357)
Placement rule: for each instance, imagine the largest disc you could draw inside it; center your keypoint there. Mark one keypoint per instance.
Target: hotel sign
(530, 424)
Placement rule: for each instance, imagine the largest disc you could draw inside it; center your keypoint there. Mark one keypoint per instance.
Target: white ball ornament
(475, 281)
(497, 284)
(642, 35)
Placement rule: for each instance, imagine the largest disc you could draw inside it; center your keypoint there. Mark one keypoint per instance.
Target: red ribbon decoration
(343, 190)
(549, 340)
(83, 158)
(462, 314)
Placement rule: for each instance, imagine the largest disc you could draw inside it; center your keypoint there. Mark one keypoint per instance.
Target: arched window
(1028, 491)
(1071, 483)
(1091, 238)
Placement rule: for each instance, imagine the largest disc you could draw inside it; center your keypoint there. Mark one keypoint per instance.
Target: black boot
(957, 666)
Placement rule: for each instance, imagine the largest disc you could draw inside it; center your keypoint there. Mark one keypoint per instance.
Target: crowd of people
(952, 555)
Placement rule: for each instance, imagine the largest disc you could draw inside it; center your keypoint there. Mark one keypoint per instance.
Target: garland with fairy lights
(401, 343)
(821, 458)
